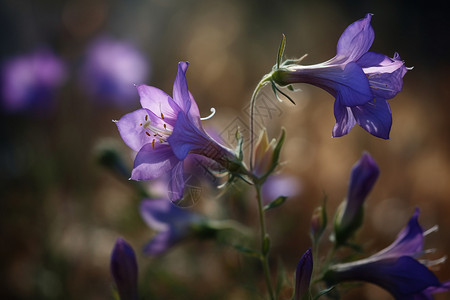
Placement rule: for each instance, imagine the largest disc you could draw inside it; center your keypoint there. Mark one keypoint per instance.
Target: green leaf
(323, 292)
(275, 203)
(281, 51)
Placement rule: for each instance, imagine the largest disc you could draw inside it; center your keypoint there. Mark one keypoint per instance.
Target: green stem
(264, 252)
(262, 83)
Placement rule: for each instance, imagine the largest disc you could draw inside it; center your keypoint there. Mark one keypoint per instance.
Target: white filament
(213, 112)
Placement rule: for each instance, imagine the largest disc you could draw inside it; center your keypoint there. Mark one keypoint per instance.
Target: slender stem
(262, 83)
(264, 252)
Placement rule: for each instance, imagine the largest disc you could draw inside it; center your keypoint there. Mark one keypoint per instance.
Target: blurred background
(68, 69)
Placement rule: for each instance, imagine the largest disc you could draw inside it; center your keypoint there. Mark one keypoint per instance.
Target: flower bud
(303, 276)
(318, 223)
(124, 270)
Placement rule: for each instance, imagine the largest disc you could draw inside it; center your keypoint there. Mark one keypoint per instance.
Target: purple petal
(133, 131)
(303, 275)
(385, 74)
(375, 117)
(344, 119)
(158, 102)
(186, 136)
(354, 86)
(356, 39)
(161, 242)
(177, 182)
(151, 163)
(161, 215)
(427, 294)
(408, 242)
(124, 270)
(181, 94)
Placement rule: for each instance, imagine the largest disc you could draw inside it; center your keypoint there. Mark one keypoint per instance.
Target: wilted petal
(303, 275)
(151, 163)
(344, 119)
(356, 39)
(124, 270)
(375, 117)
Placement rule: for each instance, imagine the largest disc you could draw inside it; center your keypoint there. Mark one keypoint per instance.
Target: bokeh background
(61, 211)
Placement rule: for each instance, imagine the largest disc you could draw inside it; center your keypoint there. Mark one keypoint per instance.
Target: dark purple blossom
(394, 268)
(363, 177)
(303, 276)
(29, 82)
(171, 223)
(124, 270)
(361, 81)
(165, 131)
(110, 70)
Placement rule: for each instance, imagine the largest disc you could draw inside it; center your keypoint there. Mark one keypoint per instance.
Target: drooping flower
(394, 268)
(29, 82)
(165, 131)
(124, 270)
(303, 276)
(171, 222)
(361, 81)
(111, 68)
(349, 217)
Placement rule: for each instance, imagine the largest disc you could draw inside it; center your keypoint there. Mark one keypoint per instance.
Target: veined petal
(355, 40)
(181, 94)
(177, 182)
(158, 102)
(187, 137)
(344, 119)
(152, 162)
(408, 242)
(132, 128)
(385, 74)
(354, 87)
(375, 117)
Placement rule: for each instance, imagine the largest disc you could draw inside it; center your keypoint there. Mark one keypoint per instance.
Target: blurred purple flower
(29, 82)
(363, 177)
(303, 276)
(124, 270)
(171, 222)
(361, 81)
(111, 69)
(165, 131)
(280, 185)
(394, 268)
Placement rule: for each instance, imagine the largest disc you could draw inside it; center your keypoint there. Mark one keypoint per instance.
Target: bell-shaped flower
(350, 214)
(361, 81)
(110, 69)
(29, 82)
(303, 276)
(394, 268)
(124, 270)
(172, 224)
(166, 130)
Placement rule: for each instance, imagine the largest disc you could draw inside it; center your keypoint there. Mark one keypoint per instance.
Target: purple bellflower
(303, 276)
(361, 81)
(171, 222)
(165, 131)
(124, 270)
(111, 68)
(349, 217)
(395, 268)
(29, 82)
